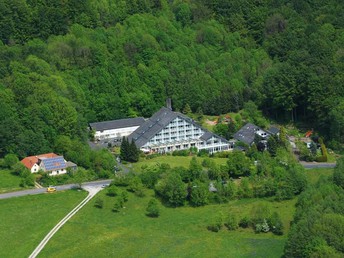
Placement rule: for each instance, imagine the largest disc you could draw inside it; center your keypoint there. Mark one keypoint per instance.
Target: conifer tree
(187, 109)
(133, 153)
(124, 149)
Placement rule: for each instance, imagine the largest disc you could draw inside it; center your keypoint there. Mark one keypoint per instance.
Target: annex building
(115, 129)
(167, 131)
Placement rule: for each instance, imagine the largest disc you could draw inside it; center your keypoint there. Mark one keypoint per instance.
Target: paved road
(317, 165)
(58, 188)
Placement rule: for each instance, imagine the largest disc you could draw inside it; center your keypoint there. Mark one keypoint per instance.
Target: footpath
(92, 191)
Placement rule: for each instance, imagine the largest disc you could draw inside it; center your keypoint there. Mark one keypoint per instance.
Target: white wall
(35, 168)
(57, 172)
(114, 133)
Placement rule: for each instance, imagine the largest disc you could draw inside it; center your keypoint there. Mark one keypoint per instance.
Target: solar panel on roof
(54, 163)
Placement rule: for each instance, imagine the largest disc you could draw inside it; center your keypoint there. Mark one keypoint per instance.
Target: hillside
(66, 63)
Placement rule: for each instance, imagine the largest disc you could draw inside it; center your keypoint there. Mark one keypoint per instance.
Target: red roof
(30, 161)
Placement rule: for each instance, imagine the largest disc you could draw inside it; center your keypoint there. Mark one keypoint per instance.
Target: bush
(152, 156)
(203, 153)
(10, 160)
(152, 209)
(262, 227)
(245, 222)
(124, 196)
(276, 224)
(140, 192)
(322, 158)
(117, 206)
(112, 191)
(99, 203)
(216, 224)
(181, 153)
(231, 222)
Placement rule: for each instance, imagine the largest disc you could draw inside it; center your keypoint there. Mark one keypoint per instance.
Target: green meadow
(26, 220)
(173, 161)
(178, 232)
(9, 182)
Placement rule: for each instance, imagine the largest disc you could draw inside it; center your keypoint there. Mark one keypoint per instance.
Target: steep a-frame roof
(158, 122)
(247, 133)
(154, 125)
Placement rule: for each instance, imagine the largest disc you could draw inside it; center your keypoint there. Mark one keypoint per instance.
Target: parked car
(51, 189)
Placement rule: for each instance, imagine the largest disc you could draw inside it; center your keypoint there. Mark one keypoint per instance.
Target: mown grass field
(178, 232)
(24, 221)
(9, 182)
(314, 174)
(173, 161)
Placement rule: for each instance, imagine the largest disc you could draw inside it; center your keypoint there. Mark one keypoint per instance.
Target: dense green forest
(65, 63)
(318, 226)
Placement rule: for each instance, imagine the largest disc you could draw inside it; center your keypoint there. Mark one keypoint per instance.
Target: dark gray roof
(206, 136)
(115, 124)
(273, 130)
(247, 133)
(153, 125)
(158, 122)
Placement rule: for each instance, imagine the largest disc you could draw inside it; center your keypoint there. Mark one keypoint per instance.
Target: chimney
(169, 103)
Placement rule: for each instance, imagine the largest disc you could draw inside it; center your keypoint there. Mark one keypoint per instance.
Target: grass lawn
(314, 174)
(173, 161)
(179, 232)
(9, 182)
(26, 220)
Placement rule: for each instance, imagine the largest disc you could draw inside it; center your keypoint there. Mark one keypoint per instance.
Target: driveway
(317, 165)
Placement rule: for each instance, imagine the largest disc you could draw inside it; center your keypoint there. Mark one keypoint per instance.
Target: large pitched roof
(152, 126)
(158, 122)
(247, 133)
(115, 124)
(30, 161)
(54, 163)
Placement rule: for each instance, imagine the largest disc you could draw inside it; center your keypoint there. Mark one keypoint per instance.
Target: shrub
(275, 223)
(262, 227)
(244, 222)
(231, 222)
(140, 192)
(124, 196)
(112, 191)
(117, 206)
(152, 209)
(99, 203)
(216, 224)
(181, 153)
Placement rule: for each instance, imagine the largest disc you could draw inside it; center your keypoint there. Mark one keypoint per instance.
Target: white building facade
(115, 129)
(167, 131)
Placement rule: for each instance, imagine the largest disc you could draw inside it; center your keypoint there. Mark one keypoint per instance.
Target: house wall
(180, 134)
(35, 168)
(114, 133)
(57, 172)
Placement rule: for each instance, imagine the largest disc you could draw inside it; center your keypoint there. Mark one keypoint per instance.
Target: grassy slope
(173, 161)
(314, 174)
(9, 182)
(26, 220)
(179, 232)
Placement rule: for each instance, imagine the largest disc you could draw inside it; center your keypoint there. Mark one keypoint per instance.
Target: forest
(66, 63)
